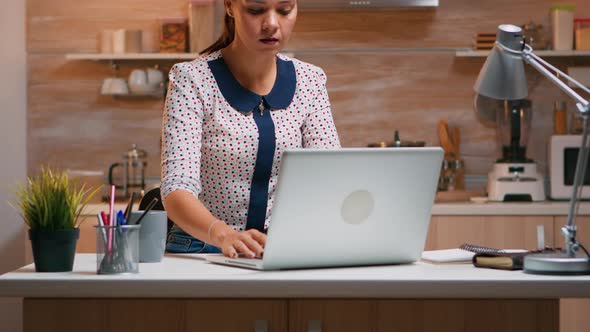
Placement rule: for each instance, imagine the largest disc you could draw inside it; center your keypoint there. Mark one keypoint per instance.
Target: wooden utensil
(445, 140)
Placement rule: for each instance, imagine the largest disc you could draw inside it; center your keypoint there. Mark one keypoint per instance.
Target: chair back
(148, 197)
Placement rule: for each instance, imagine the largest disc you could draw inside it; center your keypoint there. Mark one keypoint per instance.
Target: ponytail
(229, 29)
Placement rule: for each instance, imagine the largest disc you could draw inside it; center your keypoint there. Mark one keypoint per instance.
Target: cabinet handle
(260, 325)
(314, 325)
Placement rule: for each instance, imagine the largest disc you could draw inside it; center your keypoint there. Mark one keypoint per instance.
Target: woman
(229, 116)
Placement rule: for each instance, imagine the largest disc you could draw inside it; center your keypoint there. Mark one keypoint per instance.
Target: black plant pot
(54, 251)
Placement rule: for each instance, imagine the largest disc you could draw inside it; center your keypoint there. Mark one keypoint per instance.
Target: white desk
(446, 296)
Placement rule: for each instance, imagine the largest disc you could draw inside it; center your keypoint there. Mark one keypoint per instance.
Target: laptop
(348, 207)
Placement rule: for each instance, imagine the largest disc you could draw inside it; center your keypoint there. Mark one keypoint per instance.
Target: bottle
(562, 21)
(559, 118)
(576, 124)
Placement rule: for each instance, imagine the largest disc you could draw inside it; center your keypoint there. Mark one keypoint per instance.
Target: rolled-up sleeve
(181, 134)
(319, 130)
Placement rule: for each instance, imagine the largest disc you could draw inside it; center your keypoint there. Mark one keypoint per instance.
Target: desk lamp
(502, 77)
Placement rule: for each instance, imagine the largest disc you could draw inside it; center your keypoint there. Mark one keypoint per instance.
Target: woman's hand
(250, 243)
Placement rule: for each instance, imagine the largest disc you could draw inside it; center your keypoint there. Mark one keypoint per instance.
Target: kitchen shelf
(131, 56)
(136, 56)
(289, 52)
(379, 50)
(159, 94)
(459, 52)
(541, 53)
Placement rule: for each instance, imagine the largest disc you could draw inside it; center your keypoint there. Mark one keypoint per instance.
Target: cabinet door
(422, 315)
(449, 315)
(87, 241)
(154, 315)
(236, 315)
(332, 315)
(513, 232)
(573, 315)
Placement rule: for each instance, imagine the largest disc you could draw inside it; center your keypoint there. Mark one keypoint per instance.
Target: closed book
(502, 261)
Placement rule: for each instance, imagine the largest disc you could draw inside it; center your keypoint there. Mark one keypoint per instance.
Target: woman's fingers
(230, 251)
(242, 248)
(258, 236)
(253, 245)
(249, 243)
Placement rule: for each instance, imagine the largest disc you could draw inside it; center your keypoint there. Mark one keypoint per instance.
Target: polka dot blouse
(223, 143)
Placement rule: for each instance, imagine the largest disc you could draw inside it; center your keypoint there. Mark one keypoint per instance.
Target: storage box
(582, 33)
(173, 35)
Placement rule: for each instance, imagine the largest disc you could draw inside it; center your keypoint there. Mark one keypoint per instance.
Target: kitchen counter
(548, 208)
(190, 276)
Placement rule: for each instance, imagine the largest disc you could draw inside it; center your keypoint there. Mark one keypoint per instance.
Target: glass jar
(535, 36)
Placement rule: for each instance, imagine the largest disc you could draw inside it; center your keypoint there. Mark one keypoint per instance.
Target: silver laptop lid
(357, 206)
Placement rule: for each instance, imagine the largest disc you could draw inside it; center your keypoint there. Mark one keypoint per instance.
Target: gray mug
(152, 235)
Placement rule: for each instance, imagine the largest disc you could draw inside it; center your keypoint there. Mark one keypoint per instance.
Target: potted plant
(50, 205)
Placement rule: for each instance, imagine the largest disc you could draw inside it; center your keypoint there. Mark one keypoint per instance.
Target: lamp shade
(502, 76)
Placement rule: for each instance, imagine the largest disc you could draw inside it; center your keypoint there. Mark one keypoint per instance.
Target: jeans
(180, 242)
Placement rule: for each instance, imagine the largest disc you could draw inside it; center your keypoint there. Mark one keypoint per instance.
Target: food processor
(514, 177)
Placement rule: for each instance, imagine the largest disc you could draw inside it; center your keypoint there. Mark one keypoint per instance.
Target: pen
(102, 229)
(108, 230)
(147, 209)
(130, 206)
(121, 218)
(112, 206)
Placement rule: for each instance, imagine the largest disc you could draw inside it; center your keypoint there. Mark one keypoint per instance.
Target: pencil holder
(117, 249)
(152, 236)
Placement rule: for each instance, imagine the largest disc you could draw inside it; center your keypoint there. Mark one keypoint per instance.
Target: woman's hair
(229, 29)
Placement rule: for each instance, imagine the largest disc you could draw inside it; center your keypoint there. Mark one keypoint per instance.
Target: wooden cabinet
(332, 315)
(441, 315)
(449, 315)
(515, 232)
(292, 315)
(154, 315)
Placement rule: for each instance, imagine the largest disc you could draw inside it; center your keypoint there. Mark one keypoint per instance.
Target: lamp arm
(540, 65)
(559, 73)
(570, 229)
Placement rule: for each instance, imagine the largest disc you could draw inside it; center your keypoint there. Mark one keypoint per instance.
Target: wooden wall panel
(452, 24)
(373, 89)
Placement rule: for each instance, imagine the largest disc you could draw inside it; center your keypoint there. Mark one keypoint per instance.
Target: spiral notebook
(465, 254)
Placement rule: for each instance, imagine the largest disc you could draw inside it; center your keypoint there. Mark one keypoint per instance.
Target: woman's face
(263, 25)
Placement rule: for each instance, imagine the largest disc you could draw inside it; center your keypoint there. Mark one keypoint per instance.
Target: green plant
(52, 201)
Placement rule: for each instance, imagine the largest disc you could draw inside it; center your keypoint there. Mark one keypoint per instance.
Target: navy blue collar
(245, 100)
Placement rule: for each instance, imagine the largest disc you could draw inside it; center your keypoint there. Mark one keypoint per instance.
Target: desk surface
(189, 276)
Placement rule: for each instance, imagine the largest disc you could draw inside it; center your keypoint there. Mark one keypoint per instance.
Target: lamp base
(558, 263)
